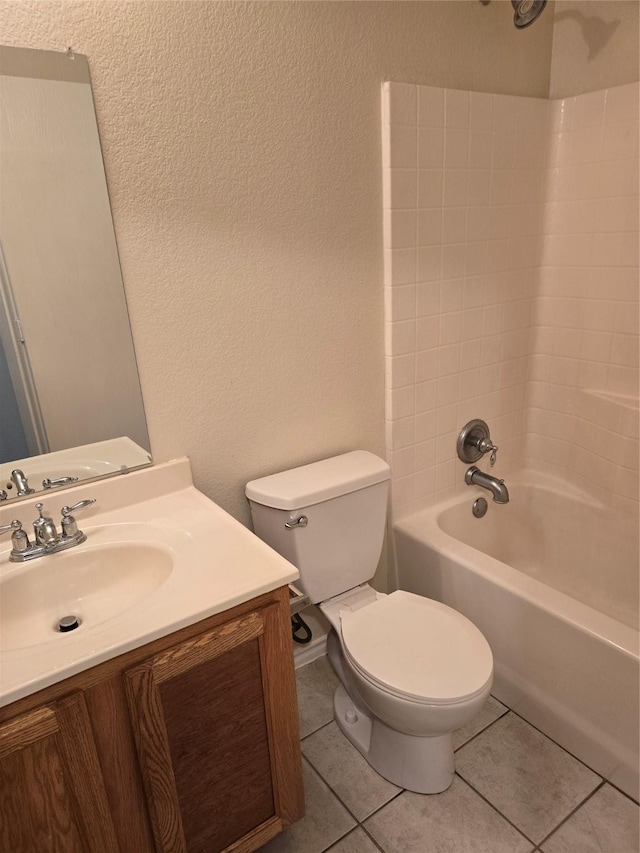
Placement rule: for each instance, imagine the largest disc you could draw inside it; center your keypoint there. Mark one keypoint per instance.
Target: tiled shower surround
(511, 286)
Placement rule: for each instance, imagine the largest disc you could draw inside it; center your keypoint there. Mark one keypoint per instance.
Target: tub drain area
(68, 623)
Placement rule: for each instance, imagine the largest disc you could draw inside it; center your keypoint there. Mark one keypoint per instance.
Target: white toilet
(411, 670)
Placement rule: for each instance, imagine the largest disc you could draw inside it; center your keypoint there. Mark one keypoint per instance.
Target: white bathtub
(552, 581)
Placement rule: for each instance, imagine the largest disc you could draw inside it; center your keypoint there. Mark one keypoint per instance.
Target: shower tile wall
(583, 395)
(463, 214)
(511, 285)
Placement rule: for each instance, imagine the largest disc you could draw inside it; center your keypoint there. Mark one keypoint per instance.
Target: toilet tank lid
(319, 481)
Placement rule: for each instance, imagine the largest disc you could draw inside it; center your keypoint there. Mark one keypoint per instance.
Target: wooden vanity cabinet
(187, 745)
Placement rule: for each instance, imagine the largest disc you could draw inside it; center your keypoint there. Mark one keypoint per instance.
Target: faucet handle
(485, 445)
(67, 510)
(15, 525)
(69, 526)
(47, 483)
(19, 539)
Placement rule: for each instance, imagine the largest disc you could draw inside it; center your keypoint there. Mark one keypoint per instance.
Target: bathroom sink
(159, 556)
(93, 584)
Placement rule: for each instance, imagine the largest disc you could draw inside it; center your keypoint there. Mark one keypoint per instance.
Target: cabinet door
(214, 747)
(52, 798)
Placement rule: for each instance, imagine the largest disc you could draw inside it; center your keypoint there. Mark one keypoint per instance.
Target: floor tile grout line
(349, 812)
(341, 801)
(371, 838)
(383, 805)
(572, 812)
(350, 832)
(584, 764)
(544, 734)
(496, 809)
(315, 731)
(620, 791)
(359, 823)
(484, 729)
(338, 840)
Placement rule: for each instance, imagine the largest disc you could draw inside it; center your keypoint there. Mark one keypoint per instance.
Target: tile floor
(515, 791)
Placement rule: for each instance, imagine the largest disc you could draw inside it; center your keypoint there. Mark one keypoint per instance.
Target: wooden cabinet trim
(205, 647)
(257, 838)
(26, 730)
(79, 750)
(154, 756)
(279, 687)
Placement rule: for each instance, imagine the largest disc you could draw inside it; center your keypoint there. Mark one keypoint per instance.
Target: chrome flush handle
(301, 521)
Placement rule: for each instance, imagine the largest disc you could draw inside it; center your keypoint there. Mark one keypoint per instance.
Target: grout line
(371, 838)
(571, 813)
(488, 726)
(595, 772)
(326, 784)
(340, 800)
(338, 840)
(380, 807)
(496, 809)
(620, 791)
(315, 731)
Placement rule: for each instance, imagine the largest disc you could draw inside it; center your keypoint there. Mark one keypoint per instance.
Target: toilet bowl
(411, 670)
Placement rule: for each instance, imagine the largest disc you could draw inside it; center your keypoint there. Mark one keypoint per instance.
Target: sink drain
(68, 623)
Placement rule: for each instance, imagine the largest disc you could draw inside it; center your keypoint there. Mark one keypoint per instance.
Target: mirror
(70, 400)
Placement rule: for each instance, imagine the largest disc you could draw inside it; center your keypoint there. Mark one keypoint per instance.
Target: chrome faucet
(20, 482)
(475, 477)
(47, 540)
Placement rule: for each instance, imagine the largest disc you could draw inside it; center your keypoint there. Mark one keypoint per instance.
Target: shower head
(526, 12)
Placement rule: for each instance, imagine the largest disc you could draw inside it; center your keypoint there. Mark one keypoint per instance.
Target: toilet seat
(417, 649)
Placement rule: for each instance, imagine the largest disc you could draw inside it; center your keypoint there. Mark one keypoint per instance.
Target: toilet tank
(344, 500)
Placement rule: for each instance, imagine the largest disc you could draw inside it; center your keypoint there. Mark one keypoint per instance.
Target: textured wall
(595, 45)
(242, 151)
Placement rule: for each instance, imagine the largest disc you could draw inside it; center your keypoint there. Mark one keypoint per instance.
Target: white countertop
(217, 564)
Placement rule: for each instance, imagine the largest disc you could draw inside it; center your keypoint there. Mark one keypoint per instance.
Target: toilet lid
(417, 648)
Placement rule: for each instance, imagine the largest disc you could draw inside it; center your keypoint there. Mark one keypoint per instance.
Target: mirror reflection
(70, 401)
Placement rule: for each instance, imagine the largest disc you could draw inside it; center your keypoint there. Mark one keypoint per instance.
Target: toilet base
(421, 764)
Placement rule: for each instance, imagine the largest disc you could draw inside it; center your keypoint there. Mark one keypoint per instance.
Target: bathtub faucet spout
(496, 487)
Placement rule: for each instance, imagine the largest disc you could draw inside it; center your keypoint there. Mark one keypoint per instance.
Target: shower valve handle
(486, 445)
(474, 441)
